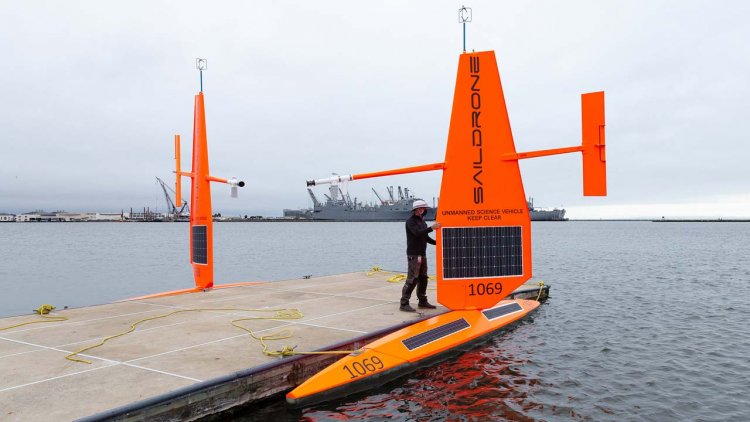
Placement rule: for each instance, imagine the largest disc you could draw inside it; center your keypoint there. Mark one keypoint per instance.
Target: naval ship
(339, 206)
(542, 214)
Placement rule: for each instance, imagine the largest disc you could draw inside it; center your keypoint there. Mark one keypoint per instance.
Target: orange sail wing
(484, 247)
(201, 222)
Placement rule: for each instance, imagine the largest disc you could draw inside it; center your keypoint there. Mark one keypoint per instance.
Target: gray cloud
(94, 91)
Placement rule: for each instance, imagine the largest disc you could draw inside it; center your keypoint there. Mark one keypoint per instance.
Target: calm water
(647, 321)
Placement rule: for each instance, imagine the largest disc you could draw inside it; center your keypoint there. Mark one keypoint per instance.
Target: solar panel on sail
(200, 245)
(477, 252)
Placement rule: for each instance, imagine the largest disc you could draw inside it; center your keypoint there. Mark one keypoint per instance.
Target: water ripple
(646, 322)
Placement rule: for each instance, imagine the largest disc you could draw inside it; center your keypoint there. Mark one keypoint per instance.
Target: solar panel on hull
(502, 310)
(429, 336)
(476, 252)
(200, 245)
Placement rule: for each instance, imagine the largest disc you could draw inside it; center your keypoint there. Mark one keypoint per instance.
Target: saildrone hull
(408, 349)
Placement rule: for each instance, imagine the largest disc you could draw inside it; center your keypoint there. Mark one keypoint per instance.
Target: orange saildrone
(201, 214)
(484, 246)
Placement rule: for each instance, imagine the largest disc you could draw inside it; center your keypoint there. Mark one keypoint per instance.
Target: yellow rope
(43, 312)
(376, 270)
(541, 287)
(281, 335)
(279, 314)
(395, 278)
(398, 278)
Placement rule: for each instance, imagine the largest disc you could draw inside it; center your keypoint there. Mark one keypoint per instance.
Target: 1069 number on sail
(482, 289)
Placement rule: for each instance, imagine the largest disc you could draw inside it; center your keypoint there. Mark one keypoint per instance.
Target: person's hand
(436, 226)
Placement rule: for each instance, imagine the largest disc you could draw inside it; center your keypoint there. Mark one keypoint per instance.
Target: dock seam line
(339, 295)
(108, 363)
(301, 288)
(54, 378)
(127, 363)
(332, 328)
(266, 286)
(216, 314)
(193, 346)
(255, 331)
(84, 321)
(53, 348)
(349, 281)
(83, 341)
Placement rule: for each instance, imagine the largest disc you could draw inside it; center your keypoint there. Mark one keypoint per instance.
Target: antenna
(464, 15)
(202, 64)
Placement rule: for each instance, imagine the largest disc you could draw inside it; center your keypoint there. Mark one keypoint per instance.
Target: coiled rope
(43, 312)
(284, 334)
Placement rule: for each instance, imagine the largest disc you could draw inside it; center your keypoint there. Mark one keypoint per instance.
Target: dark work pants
(416, 277)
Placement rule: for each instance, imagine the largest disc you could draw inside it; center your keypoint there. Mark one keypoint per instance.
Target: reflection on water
(488, 382)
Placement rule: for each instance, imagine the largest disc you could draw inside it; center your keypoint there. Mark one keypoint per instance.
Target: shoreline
(303, 220)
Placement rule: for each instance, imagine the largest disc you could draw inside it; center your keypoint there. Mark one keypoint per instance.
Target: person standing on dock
(416, 255)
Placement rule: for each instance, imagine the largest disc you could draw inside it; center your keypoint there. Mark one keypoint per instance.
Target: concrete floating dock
(192, 364)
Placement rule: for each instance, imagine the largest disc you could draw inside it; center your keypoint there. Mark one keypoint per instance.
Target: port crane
(379, 198)
(172, 211)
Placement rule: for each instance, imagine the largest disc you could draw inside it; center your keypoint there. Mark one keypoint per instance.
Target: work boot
(426, 305)
(406, 308)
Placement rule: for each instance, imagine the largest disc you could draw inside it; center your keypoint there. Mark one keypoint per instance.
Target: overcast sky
(93, 91)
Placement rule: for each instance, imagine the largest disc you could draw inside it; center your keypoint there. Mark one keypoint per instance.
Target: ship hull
(547, 215)
(379, 214)
(343, 209)
(383, 213)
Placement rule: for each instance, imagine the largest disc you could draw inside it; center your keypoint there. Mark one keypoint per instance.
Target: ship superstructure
(339, 206)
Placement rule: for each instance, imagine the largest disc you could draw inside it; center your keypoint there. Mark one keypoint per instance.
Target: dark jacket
(416, 236)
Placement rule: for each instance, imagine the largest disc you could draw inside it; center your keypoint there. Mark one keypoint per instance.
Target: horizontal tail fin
(594, 155)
